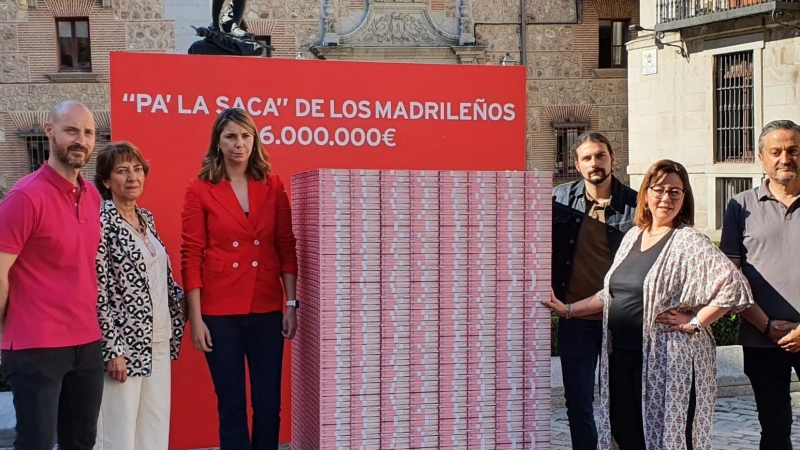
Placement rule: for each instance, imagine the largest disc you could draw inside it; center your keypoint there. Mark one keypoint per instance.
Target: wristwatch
(294, 303)
(695, 324)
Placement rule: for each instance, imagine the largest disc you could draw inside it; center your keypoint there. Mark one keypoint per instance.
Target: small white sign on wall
(650, 62)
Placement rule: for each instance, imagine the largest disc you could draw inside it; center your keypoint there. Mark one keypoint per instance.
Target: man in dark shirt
(590, 217)
(761, 234)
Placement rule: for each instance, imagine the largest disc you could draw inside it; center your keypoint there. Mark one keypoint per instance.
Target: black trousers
(579, 345)
(257, 338)
(57, 395)
(770, 373)
(625, 393)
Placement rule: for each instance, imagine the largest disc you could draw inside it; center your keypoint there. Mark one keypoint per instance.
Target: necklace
(658, 234)
(141, 229)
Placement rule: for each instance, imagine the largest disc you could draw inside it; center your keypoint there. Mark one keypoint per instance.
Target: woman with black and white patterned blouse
(139, 308)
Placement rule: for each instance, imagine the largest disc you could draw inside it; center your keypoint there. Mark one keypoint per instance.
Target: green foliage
(724, 331)
(554, 334)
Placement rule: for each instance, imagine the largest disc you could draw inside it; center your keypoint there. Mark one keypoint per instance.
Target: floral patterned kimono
(689, 273)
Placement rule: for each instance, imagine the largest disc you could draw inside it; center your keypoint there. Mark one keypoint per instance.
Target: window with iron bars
(727, 188)
(39, 151)
(734, 111)
(565, 160)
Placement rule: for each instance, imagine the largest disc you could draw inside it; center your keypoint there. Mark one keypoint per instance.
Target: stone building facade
(573, 51)
(740, 71)
(52, 50)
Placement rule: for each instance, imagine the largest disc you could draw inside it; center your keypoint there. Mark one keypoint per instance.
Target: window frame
(621, 46)
(566, 171)
(723, 185)
(73, 30)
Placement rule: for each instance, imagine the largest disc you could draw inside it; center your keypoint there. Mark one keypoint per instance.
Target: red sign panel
(310, 114)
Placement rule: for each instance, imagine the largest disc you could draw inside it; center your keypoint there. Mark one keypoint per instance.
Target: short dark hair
(591, 136)
(773, 126)
(108, 157)
(643, 217)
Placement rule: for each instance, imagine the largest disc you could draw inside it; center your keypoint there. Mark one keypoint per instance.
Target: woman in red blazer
(238, 261)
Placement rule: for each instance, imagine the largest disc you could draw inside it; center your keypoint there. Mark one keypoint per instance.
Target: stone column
(467, 25)
(331, 35)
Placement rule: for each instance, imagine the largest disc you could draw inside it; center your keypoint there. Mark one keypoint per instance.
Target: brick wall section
(32, 32)
(111, 37)
(37, 38)
(14, 160)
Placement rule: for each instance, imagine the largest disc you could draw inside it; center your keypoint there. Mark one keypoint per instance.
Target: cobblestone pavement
(735, 425)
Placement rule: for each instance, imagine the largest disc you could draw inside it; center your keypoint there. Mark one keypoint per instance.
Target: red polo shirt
(54, 228)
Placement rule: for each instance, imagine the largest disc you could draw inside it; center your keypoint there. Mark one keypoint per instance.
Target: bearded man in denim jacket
(590, 217)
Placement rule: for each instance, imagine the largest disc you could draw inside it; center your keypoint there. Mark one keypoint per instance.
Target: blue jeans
(258, 338)
(579, 344)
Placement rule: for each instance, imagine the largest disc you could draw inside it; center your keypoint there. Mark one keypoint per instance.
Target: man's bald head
(70, 128)
(65, 108)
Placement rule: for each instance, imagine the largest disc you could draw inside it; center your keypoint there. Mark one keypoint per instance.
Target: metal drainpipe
(523, 34)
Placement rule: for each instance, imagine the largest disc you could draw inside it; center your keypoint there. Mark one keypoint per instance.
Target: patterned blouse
(690, 273)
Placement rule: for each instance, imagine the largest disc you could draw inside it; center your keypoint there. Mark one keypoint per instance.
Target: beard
(63, 154)
(785, 179)
(781, 177)
(597, 176)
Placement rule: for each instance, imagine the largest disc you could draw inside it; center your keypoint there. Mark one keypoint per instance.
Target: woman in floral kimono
(667, 285)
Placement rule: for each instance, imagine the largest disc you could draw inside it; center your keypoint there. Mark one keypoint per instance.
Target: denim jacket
(569, 210)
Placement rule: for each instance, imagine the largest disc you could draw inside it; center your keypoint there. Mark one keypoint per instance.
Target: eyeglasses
(674, 193)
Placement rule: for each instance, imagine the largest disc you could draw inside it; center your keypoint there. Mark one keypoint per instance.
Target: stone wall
(781, 76)
(13, 11)
(13, 68)
(155, 36)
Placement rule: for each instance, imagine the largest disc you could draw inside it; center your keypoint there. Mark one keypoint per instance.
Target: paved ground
(735, 425)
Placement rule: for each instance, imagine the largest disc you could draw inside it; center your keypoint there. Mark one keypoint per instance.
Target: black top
(626, 316)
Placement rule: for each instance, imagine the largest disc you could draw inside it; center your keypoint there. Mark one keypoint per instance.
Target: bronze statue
(234, 13)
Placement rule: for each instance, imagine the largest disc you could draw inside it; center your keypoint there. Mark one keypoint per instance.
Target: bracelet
(768, 328)
(569, 310)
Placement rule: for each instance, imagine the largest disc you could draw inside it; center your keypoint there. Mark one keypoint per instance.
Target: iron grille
(671, 10)
(38, 151)
(734, 113)
(727, 188)
(565, 160)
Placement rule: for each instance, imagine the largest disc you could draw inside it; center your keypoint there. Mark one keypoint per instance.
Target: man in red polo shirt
(49, 234)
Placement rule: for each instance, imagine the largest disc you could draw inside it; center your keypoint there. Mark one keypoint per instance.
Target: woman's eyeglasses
(674, 193)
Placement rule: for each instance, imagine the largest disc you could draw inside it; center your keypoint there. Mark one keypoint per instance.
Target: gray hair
(774, 126)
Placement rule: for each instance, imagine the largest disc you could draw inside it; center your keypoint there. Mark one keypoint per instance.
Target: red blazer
(237, 260)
